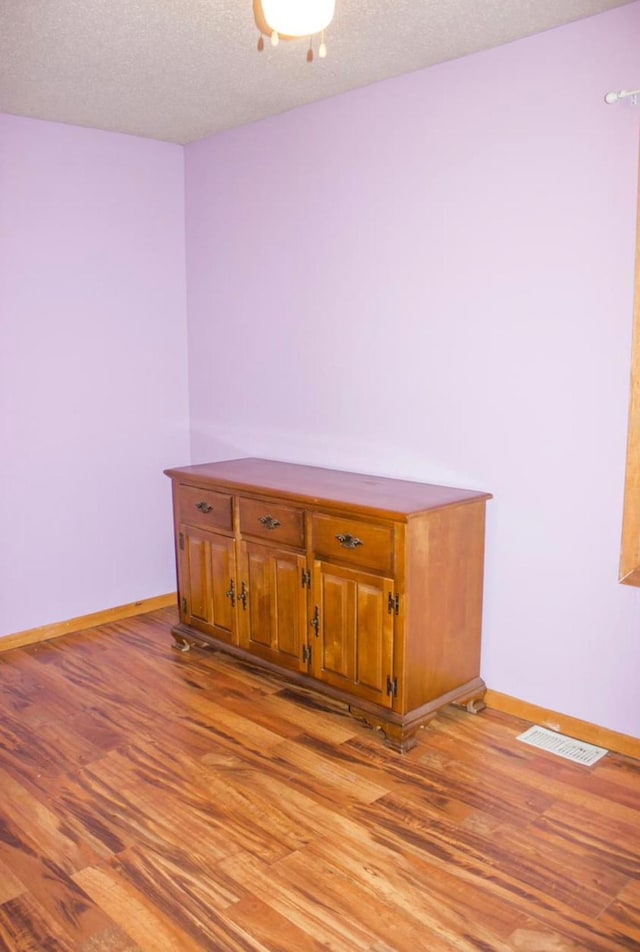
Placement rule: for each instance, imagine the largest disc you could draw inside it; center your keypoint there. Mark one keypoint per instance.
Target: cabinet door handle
(231, 594)
(349, 542)
(203, 506)
(242, 597)
(269, 522)
(315, 621)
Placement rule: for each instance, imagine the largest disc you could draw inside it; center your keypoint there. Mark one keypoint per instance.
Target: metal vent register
(567, 747)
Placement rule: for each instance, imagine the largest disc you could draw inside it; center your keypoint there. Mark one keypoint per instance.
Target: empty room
(320, 475)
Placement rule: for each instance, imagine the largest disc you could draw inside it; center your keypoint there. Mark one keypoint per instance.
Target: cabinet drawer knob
(349, 542)
(269, 522)
(203, 506)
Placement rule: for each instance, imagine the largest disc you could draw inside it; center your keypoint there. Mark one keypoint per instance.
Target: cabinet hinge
(392, 686)
(306, 578)
(181, 540)
(306, 654)
(184, 606)
(393, 606)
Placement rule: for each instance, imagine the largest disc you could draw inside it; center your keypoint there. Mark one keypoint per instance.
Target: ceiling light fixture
(623, 94)
(292, 19)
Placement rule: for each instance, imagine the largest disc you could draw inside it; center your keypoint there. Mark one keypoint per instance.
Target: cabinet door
(273, 605)
(353, 649)
(207, 582)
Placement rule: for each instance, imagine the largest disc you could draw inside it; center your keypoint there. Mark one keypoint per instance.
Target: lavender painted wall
(432, 278)
(93, 367)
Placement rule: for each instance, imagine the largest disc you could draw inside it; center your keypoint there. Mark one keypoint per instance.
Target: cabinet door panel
(373, 662)
(260, 607)
(290, 600)
(339, 626)
(207, 570)
(354, 650)
(222, 572)
(274, 623)
(198, 589)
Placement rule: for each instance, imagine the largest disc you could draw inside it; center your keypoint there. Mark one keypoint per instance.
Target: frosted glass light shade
(298, 17)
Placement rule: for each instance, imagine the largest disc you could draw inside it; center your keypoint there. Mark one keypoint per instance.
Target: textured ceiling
(180, 70)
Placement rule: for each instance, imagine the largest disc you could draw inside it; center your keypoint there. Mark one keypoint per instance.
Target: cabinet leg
(400, 739)
(396, 736)
(181, 644)
(473, 704)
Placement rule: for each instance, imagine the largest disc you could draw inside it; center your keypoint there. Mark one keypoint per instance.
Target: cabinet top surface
(318, 485)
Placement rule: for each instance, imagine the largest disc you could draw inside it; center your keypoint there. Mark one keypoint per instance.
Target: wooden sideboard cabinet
(363, 588)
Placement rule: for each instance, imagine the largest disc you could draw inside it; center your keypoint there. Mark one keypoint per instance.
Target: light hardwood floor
(159, 801)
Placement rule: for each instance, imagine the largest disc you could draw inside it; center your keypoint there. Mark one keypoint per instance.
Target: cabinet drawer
(204, 508)
(278, 524)
(363, 544)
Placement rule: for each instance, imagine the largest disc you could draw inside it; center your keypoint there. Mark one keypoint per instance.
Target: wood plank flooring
(153, 801)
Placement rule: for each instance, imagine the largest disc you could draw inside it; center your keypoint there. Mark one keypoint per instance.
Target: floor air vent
(567, 747)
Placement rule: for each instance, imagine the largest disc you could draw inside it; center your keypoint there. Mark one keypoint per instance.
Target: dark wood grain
(153, 802)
